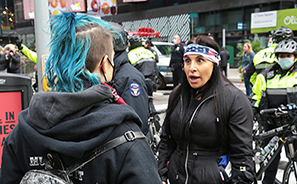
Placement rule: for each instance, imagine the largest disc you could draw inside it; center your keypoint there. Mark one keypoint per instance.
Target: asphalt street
(161, 101)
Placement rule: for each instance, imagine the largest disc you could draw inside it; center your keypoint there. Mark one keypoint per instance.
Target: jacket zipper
(187, 155)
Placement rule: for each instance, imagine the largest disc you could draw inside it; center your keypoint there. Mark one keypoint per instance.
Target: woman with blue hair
(80, 113)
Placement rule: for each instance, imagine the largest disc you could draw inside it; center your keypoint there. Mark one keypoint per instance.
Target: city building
(187, 18)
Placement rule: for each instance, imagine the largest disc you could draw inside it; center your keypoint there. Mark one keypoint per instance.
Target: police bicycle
(154, 127)
(287, 134)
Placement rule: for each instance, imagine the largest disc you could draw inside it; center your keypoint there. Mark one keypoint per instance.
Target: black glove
(19, 43)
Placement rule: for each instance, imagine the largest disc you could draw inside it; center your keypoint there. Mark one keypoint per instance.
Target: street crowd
(101, 84)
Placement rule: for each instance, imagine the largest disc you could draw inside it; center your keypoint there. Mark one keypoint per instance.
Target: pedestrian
(275, 86)
(13, 59)
(224, 54)
(248, 55)
(80, 113)
(176, 60)
(265, 58)
(207, 117)
(145, 61)
(128, 81)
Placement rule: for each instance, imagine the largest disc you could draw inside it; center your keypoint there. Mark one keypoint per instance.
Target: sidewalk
(234, 77)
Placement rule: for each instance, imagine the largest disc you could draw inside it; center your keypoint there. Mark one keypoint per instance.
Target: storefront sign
(287, 18)
(263, 19)
(10, 107)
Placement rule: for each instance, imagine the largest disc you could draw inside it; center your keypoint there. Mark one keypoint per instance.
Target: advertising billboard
(55, 7)
(11, 105)
(99, 8)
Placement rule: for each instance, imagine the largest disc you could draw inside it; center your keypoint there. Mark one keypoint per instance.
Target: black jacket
(199, 152)
(14, 63)
(224, 57)
(3, 62)
(72, 124)
(126, 78)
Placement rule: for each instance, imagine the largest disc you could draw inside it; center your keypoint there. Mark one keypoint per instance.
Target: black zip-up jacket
(73, 124)
(195, 159)
(125, 76)
(13, 63)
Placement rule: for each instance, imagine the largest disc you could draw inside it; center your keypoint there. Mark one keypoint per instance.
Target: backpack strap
(128, 136)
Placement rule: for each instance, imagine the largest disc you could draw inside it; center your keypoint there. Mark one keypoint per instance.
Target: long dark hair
(215, 86)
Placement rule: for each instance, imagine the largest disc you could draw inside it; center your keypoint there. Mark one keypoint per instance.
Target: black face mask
(107, 82)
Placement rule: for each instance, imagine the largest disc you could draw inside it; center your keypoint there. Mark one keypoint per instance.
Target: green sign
(287, 18)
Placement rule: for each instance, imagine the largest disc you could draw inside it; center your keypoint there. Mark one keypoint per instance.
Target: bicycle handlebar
(152, 114)
(280, 110)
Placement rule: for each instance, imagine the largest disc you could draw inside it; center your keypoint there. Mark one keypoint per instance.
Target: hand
(243, 70)
(163, 182)
(19, 44)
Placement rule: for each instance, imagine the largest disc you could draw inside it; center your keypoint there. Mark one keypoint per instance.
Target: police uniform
(176, 62)
(263, 59)
(271, 89)
(130, 85)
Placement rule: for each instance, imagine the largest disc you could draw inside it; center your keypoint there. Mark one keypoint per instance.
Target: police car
(163, 50)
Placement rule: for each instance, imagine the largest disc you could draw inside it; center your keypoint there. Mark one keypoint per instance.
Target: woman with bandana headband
(207, 117)
(274, 86)
(80, 114)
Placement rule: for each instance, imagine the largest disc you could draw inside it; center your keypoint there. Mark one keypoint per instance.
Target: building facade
(187, 18)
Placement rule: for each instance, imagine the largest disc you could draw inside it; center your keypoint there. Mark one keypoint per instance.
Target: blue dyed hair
(78, 44)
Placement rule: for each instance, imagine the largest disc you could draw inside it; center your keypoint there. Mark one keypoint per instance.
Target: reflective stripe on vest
(262, 66)
(140, 53)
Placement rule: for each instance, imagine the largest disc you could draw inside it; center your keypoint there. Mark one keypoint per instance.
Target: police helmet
(286, 46)
(281, 34)
(149, 41)
(120, 38)
(135, 41)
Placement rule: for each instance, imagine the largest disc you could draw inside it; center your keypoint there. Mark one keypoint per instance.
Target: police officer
(266, 57)
(145, 61)
(128, 81)
(149, 45)
(275, 86)
(176, 61)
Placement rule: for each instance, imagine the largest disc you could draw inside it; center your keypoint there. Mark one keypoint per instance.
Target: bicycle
(154, 127)
(287, 134)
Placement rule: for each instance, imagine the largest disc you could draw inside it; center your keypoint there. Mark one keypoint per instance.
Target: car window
(163, 50)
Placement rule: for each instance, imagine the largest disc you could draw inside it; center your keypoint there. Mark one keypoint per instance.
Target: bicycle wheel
(290, 173)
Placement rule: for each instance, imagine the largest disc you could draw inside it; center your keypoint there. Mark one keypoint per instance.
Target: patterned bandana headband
(204, 51)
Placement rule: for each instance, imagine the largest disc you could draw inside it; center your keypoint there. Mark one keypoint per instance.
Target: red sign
(10, 107)
(55, 7)
(145, 32)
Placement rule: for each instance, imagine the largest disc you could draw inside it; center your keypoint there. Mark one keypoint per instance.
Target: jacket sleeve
(240, 138)
(140, 165)
(29, 53)
(166, 148)
(139, 103)
(259, 86)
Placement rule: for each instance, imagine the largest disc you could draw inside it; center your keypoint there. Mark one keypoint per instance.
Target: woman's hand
(243, 70)
(164, 182)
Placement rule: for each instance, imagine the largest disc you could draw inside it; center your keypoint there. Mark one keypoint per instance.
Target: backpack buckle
(130, 135)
